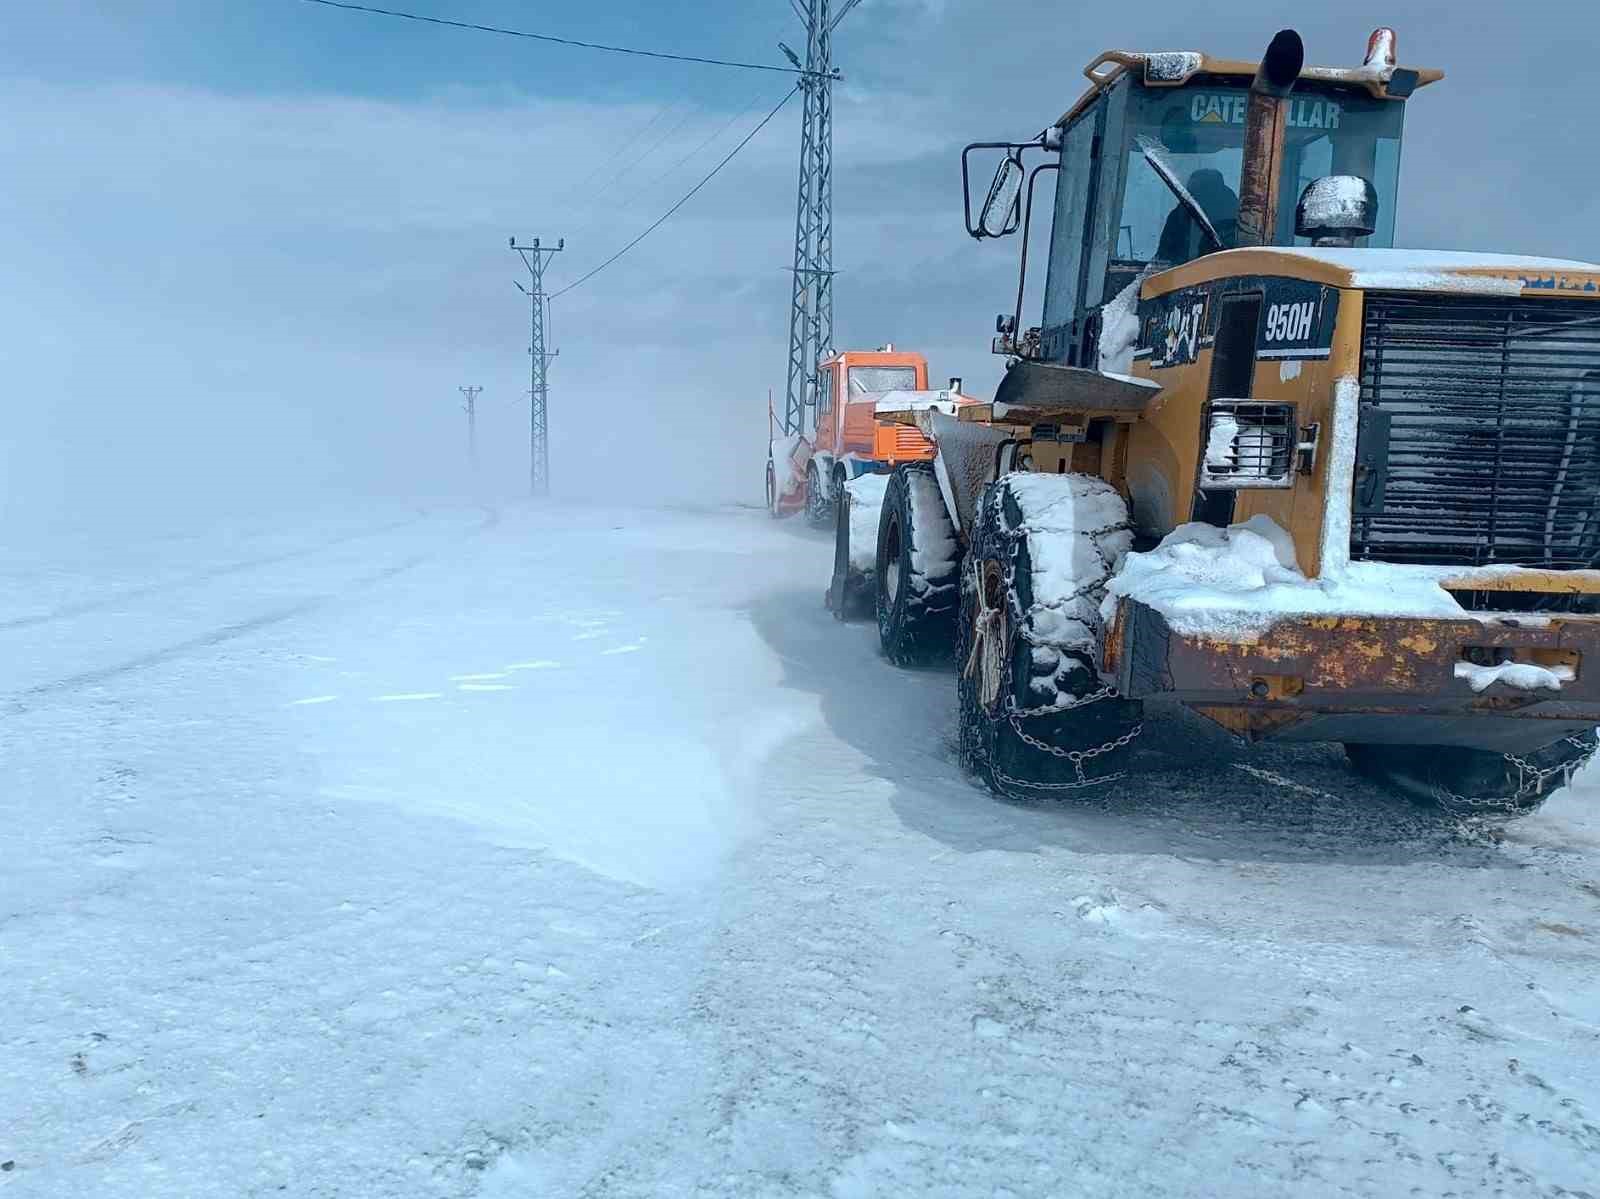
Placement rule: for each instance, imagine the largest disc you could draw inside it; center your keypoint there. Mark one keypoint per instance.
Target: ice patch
(623, 649)
(477, 678)
(539, 664)
(1525, 676)
(407, 697)
(1289, 369)
(314, 699)
(485, 687)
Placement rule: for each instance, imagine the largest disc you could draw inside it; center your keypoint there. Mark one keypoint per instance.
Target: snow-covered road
(561, 851)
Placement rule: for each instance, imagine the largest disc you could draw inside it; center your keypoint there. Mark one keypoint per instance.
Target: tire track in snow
(17, 704)
(82, 607)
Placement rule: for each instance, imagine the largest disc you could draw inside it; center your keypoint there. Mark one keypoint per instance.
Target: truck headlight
(1248, 445)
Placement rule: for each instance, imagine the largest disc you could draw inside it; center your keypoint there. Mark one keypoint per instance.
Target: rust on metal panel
(1355, 663)
(1265, 120)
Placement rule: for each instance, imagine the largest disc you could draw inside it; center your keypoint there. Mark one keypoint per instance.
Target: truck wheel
(819, 508)
(917, 569)
(1035, 718)
(1475, 782)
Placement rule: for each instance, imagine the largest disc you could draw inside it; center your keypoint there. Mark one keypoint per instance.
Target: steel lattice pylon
(811, 305)
(535, 257)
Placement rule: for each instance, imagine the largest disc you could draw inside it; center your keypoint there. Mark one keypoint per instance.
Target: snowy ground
(561, 852)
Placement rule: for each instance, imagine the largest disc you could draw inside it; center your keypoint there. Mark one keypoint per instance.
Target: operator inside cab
(1182, 237)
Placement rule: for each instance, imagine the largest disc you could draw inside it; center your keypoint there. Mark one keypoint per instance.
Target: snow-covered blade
(866, 506)
(789, 456)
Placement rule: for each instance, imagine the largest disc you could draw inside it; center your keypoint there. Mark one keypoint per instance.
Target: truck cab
(850, 440)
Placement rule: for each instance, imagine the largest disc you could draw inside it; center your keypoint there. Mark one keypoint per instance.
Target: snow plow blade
(1371, 679)
(850, 590)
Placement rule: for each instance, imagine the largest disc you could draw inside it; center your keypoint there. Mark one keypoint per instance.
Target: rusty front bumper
(1375, 679)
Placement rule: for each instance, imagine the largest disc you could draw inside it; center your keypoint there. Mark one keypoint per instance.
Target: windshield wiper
(1155, 154)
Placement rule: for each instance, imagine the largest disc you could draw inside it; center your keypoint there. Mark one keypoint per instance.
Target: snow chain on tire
(991, 645)
(1531, 781)
(1415, 771)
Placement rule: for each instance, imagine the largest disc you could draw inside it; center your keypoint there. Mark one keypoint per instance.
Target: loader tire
(819, 504)
(1474, 782)
(994, 726)
(918, 570)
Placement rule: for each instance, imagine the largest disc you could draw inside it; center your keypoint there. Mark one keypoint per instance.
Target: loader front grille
(1479, 438)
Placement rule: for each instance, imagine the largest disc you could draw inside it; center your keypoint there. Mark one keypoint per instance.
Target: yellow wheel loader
(1253, 458)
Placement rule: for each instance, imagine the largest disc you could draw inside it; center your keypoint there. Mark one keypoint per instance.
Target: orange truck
(809, 474)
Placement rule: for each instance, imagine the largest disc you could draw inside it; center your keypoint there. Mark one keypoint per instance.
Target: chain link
(1013, 713)
(1530, 783)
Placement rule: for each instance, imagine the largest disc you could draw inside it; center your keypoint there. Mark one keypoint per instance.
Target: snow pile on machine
(1233, 583)
(1078, 535)
(788, 464)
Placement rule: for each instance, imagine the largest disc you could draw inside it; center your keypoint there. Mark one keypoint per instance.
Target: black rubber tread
(917, 624)
(1452, 778)
(989, 744)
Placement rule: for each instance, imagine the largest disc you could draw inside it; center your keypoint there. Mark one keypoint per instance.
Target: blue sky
(255, 245)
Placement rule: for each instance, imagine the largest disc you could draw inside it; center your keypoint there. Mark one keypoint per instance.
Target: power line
(551, 38)
(617, 152)
(721, 129)
(687, 196)
(689, 111)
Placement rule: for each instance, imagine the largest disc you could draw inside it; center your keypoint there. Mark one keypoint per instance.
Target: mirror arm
(966, 175)
(1027, 228)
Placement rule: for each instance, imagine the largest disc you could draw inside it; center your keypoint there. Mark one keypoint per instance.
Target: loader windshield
(1201, 131)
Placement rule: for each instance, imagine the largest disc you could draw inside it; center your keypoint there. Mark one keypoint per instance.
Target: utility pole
(811, 302)
(535, 258)
(472, 424)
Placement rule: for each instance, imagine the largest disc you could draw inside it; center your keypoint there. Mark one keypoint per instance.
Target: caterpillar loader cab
(1253, 458)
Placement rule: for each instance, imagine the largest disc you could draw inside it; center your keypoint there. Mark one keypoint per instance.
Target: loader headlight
(1248, 445)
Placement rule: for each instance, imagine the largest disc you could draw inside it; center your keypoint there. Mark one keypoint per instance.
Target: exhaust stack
(1264, 123)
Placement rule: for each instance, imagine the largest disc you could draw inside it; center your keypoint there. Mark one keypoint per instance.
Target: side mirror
(1002, 211)
(1336, 210)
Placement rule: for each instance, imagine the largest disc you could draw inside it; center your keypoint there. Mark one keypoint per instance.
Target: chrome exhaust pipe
(1264, 122)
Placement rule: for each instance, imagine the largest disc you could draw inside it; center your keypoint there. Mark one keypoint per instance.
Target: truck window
(865, 380)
